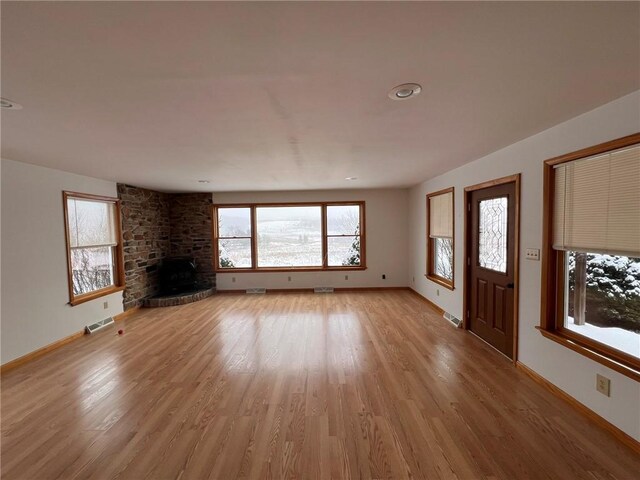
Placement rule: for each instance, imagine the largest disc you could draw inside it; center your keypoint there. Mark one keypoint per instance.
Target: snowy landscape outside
(289, 236)
(612, 301)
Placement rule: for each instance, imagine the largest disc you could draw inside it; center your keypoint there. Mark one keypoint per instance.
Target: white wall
(386, 241)
(34, 308)
(572, 372)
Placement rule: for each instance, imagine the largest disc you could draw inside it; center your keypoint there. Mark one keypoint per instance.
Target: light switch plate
(533, 254)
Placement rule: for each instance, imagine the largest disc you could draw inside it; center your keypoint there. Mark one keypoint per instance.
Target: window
(289, 237)
(591, 270)
(493, 234)
(266, 237)
(343, 235)
(440, 264)
(94, 248)
(234, 241)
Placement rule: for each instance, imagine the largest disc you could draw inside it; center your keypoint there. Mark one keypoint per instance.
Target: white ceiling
(278, 96)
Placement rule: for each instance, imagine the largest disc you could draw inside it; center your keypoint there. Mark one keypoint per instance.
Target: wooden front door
(492, 231)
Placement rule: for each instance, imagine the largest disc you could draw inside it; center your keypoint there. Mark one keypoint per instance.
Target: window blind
(91, 223)
(597, 204)
(441, 215)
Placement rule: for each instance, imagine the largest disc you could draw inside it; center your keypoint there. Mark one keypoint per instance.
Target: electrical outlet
(603, 385)
(346, 277)
(437, 292)
(288, 279)
(233, 279)
(413, 279)
(105, 305)
(532, 254)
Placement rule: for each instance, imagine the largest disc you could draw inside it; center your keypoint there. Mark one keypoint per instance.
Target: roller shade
(597, 204)
(441, 215)
(91, 223)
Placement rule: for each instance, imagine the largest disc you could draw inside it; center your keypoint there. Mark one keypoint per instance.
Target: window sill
(440, 281)
(87, 297)
(288, 269)
(591, 353)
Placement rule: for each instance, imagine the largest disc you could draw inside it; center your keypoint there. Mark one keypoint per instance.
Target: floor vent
(257, 290)
(323, 290)
(99, 325)
(455, 321)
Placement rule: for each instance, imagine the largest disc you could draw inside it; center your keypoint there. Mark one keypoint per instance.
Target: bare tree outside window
(92, 269)
(443, 252)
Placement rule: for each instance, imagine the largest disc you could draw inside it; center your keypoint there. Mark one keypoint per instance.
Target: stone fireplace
(159, 229)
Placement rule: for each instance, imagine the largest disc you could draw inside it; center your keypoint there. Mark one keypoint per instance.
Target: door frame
(515, 179)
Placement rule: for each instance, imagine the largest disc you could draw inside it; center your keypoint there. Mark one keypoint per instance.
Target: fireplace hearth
(178, 298)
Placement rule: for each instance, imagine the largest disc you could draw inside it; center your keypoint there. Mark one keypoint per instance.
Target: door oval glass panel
(492, 234)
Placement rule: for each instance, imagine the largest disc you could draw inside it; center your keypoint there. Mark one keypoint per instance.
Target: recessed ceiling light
(203, 181)
(351, 178)
(9, 105)
(405, 91)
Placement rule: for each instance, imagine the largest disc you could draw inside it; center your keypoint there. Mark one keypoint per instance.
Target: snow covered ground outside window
(612, 290)
(618, 338)
(289, 236)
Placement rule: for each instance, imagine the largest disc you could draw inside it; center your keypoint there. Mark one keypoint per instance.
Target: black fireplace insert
(177, 275)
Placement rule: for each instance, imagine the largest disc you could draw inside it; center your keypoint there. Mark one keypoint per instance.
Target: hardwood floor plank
(353, 385)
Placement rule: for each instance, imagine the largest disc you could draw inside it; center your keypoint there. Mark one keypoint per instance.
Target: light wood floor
(342, 386)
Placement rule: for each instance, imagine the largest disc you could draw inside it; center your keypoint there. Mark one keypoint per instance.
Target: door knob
(510, 285)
